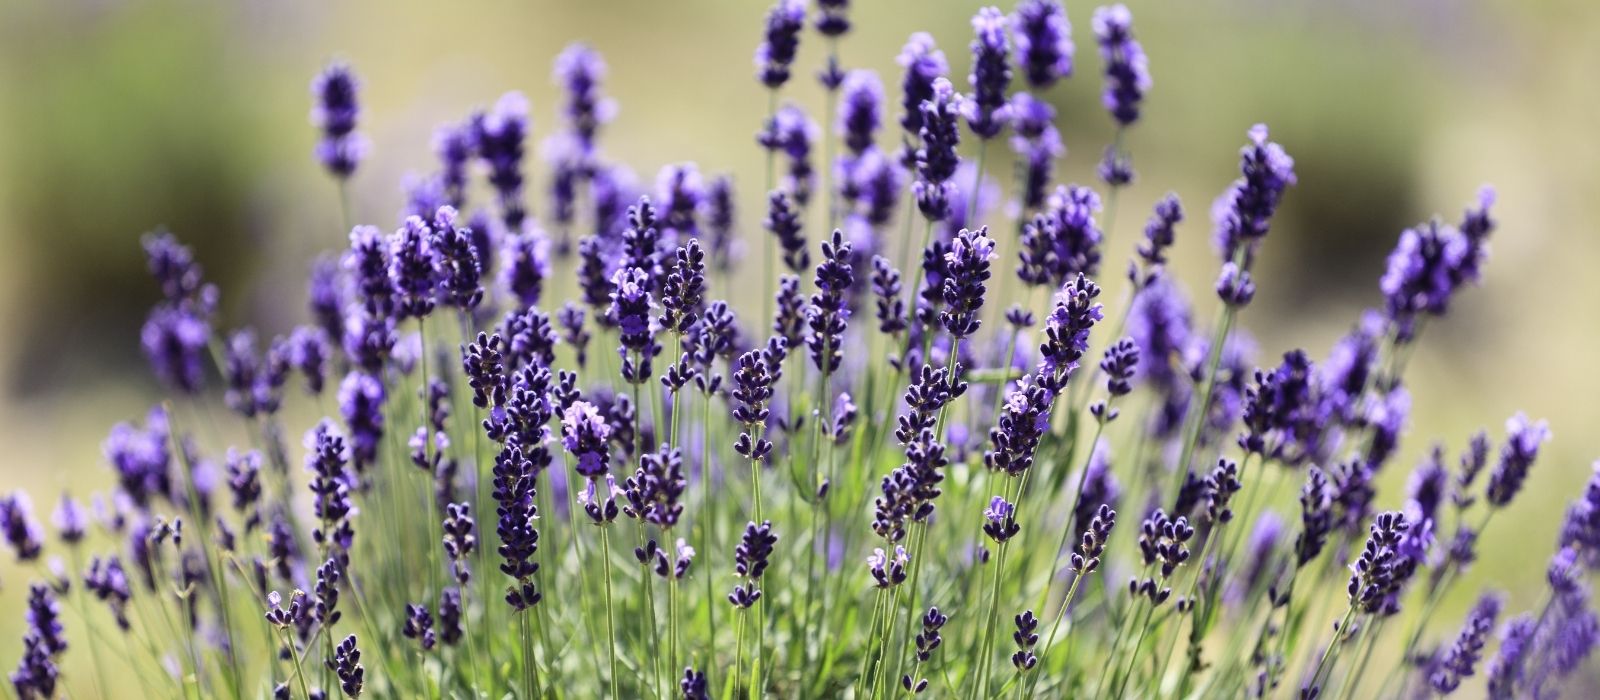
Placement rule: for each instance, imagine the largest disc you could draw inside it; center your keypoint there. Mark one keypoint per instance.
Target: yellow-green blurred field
(117, 116)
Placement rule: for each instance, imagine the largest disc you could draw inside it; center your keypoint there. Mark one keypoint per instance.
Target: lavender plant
(490, 436)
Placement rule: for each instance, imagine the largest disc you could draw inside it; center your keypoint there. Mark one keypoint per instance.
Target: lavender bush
(859, 486)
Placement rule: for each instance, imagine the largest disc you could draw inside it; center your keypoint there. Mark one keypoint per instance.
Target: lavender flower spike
(987, 112)
(1043, 37)
(1521, 448)
(1461, 659)
(335, 112)
(924, 63)
(1127, 69)
(1243, 214)
(780, 42)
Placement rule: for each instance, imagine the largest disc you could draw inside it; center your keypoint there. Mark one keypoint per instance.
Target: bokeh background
(118, 116)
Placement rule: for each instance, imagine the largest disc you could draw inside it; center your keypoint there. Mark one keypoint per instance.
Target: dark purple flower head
(500, 134)
(860, 110)
(361, 399)
(334, 111)
(1507, 669)
(1159, 235)
(346, 664)
(142, 458)
(174, 340)
(937, 160)
(330, 484)
(1000, 520)
(987, 111)
(579, 70)
(873, 184)
(584, 433)
(783, 222)
(721, 239)
(413, 268)
(1348, 371)
(1162, 540)
(1127, 69)
(755, 374)
(1316, 516)
(1476, 225)
(655, 491)
(516, 519)
(1159, 321)
(1243, 214)
(791, 131)
(682, 194)
(460, 539)
(453, 145)
(891, 308)
(419, 626)
(750, 560)
(888, 569)
(630, 312)
(1037, 144)
(1234, 286)
(683, 292)
(1220, 485)
(693, 685)
(1043, 37)
(459, 261)
(172, 265)
(18, 527)
(327, 295)
(1581, 528)
(1460, 660)
(70, 519)
(1024, 418)
(527, 266)
(309, 354)
(1067, 331)
(827, 314)
(780, 42)
(1026, 637)
(1432, 261)
(1521, 448)
(833, 19)
(966, 268)
(1473, 460)
(1381, 569)
(923, 63)
(1282, 419)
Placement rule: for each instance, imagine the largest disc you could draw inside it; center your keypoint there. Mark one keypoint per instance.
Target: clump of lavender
(750, 560)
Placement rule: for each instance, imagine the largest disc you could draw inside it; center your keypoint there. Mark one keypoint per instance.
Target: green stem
(611, 627)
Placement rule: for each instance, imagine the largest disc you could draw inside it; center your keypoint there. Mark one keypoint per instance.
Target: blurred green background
(119, 116)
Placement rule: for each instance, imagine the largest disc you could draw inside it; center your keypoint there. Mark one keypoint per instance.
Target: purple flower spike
(584, 433)
(334, 112)
(500, 136)
(1127, 69)
(924, 63)
(1461, 659)
(780, 42)
(18, 527)
(1523, 438)
(1243, 214)
(937, 160)
(1043, 37)
(987, 111)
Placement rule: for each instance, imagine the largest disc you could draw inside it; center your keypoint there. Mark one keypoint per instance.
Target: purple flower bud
(923, 63)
